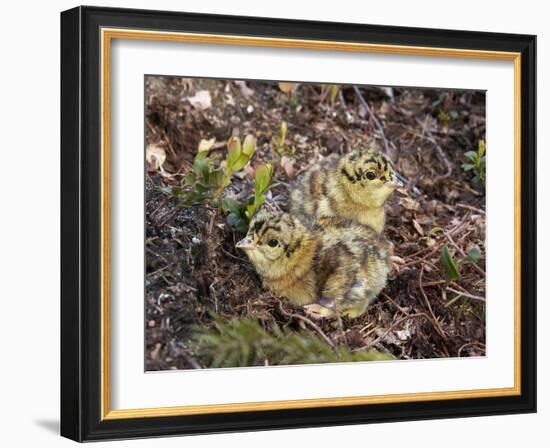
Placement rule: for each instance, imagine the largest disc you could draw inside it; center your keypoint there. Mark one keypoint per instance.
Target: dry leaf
(388, 337)
(418, 227)
(288, 165)
(408, 203)
(245, 90)
(250, 171)
(403, 334)
(206, 145)
(430, 242)
(155, 156)
(201, 100)
(287, 87)
(396, 259)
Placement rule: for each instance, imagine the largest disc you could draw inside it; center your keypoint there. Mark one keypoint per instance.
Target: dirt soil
(194, 269)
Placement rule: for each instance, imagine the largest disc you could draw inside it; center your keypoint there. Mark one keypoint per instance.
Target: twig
(392, 326)
(170, 147)
(307, 321)
(394, 303)
(371, 115)
(168, 216)
(480, 344)
(151, 128)
(184, 352)
(159, 270)
(436, 322)
(466, 294)
(162, 204)
(440, 153)
(469, 207)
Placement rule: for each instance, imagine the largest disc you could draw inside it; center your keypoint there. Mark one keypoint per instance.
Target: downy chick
(340, 267)
(354, 186)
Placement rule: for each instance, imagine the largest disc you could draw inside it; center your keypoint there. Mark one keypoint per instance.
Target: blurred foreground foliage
(244, 342)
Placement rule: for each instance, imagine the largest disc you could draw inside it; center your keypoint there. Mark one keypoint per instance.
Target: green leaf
(473, 255)
(177, 192)
(233, 220)
(237, 222)
(468, 166)
(202, 167)
(201, 188)
(471, 155)
(194, 197)
(201, 155)
(481, 148)
(215, 177)
(190, 179)
(232, 206)
(263, 177)
(334, 89)
(283, 130)
(449, 264)
(234, 151)
(249, 145)
(453, 300)
(435, 230)
(240, 163)
(252, 208)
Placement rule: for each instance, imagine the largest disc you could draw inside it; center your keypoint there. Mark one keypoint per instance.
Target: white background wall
(29, 223)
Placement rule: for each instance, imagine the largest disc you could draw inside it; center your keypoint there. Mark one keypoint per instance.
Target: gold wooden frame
(107, 35)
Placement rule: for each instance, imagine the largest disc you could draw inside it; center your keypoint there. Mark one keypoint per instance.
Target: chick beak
(394, 183)
(245, 244)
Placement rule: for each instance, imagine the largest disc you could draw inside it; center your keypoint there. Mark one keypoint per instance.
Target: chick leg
(323, 309)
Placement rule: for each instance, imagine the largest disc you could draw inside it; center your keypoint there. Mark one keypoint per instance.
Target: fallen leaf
(388, 337)
(155, 156)
(206, 145)
(201, 100)
(408, 203)
(397, 259)
(288, 166)
(403, 334)
(287, 87)
(418, 227)
(245, 90)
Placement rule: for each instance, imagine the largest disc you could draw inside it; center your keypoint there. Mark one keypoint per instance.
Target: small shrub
(209, 179)
(476, 163)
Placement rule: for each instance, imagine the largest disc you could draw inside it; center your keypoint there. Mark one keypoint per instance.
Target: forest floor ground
(193, 268)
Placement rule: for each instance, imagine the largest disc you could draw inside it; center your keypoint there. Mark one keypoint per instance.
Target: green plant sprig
(239, 214)
(209, 179)
(476, 163)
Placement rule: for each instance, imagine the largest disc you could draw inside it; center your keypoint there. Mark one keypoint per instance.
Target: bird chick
(354, 186)
(340, 267)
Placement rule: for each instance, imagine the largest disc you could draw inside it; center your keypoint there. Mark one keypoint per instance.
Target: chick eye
(371, 175)
(272, 243)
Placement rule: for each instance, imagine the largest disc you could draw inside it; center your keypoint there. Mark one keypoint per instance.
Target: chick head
(274, 243)
(368, 176)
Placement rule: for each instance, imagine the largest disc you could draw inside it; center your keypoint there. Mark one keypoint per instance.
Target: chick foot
(317, 311)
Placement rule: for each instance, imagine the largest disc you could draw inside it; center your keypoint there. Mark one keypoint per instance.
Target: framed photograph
(277, 224)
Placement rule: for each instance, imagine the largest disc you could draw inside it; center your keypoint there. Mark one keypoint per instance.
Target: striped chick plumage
(341, 266)
(354, 186)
